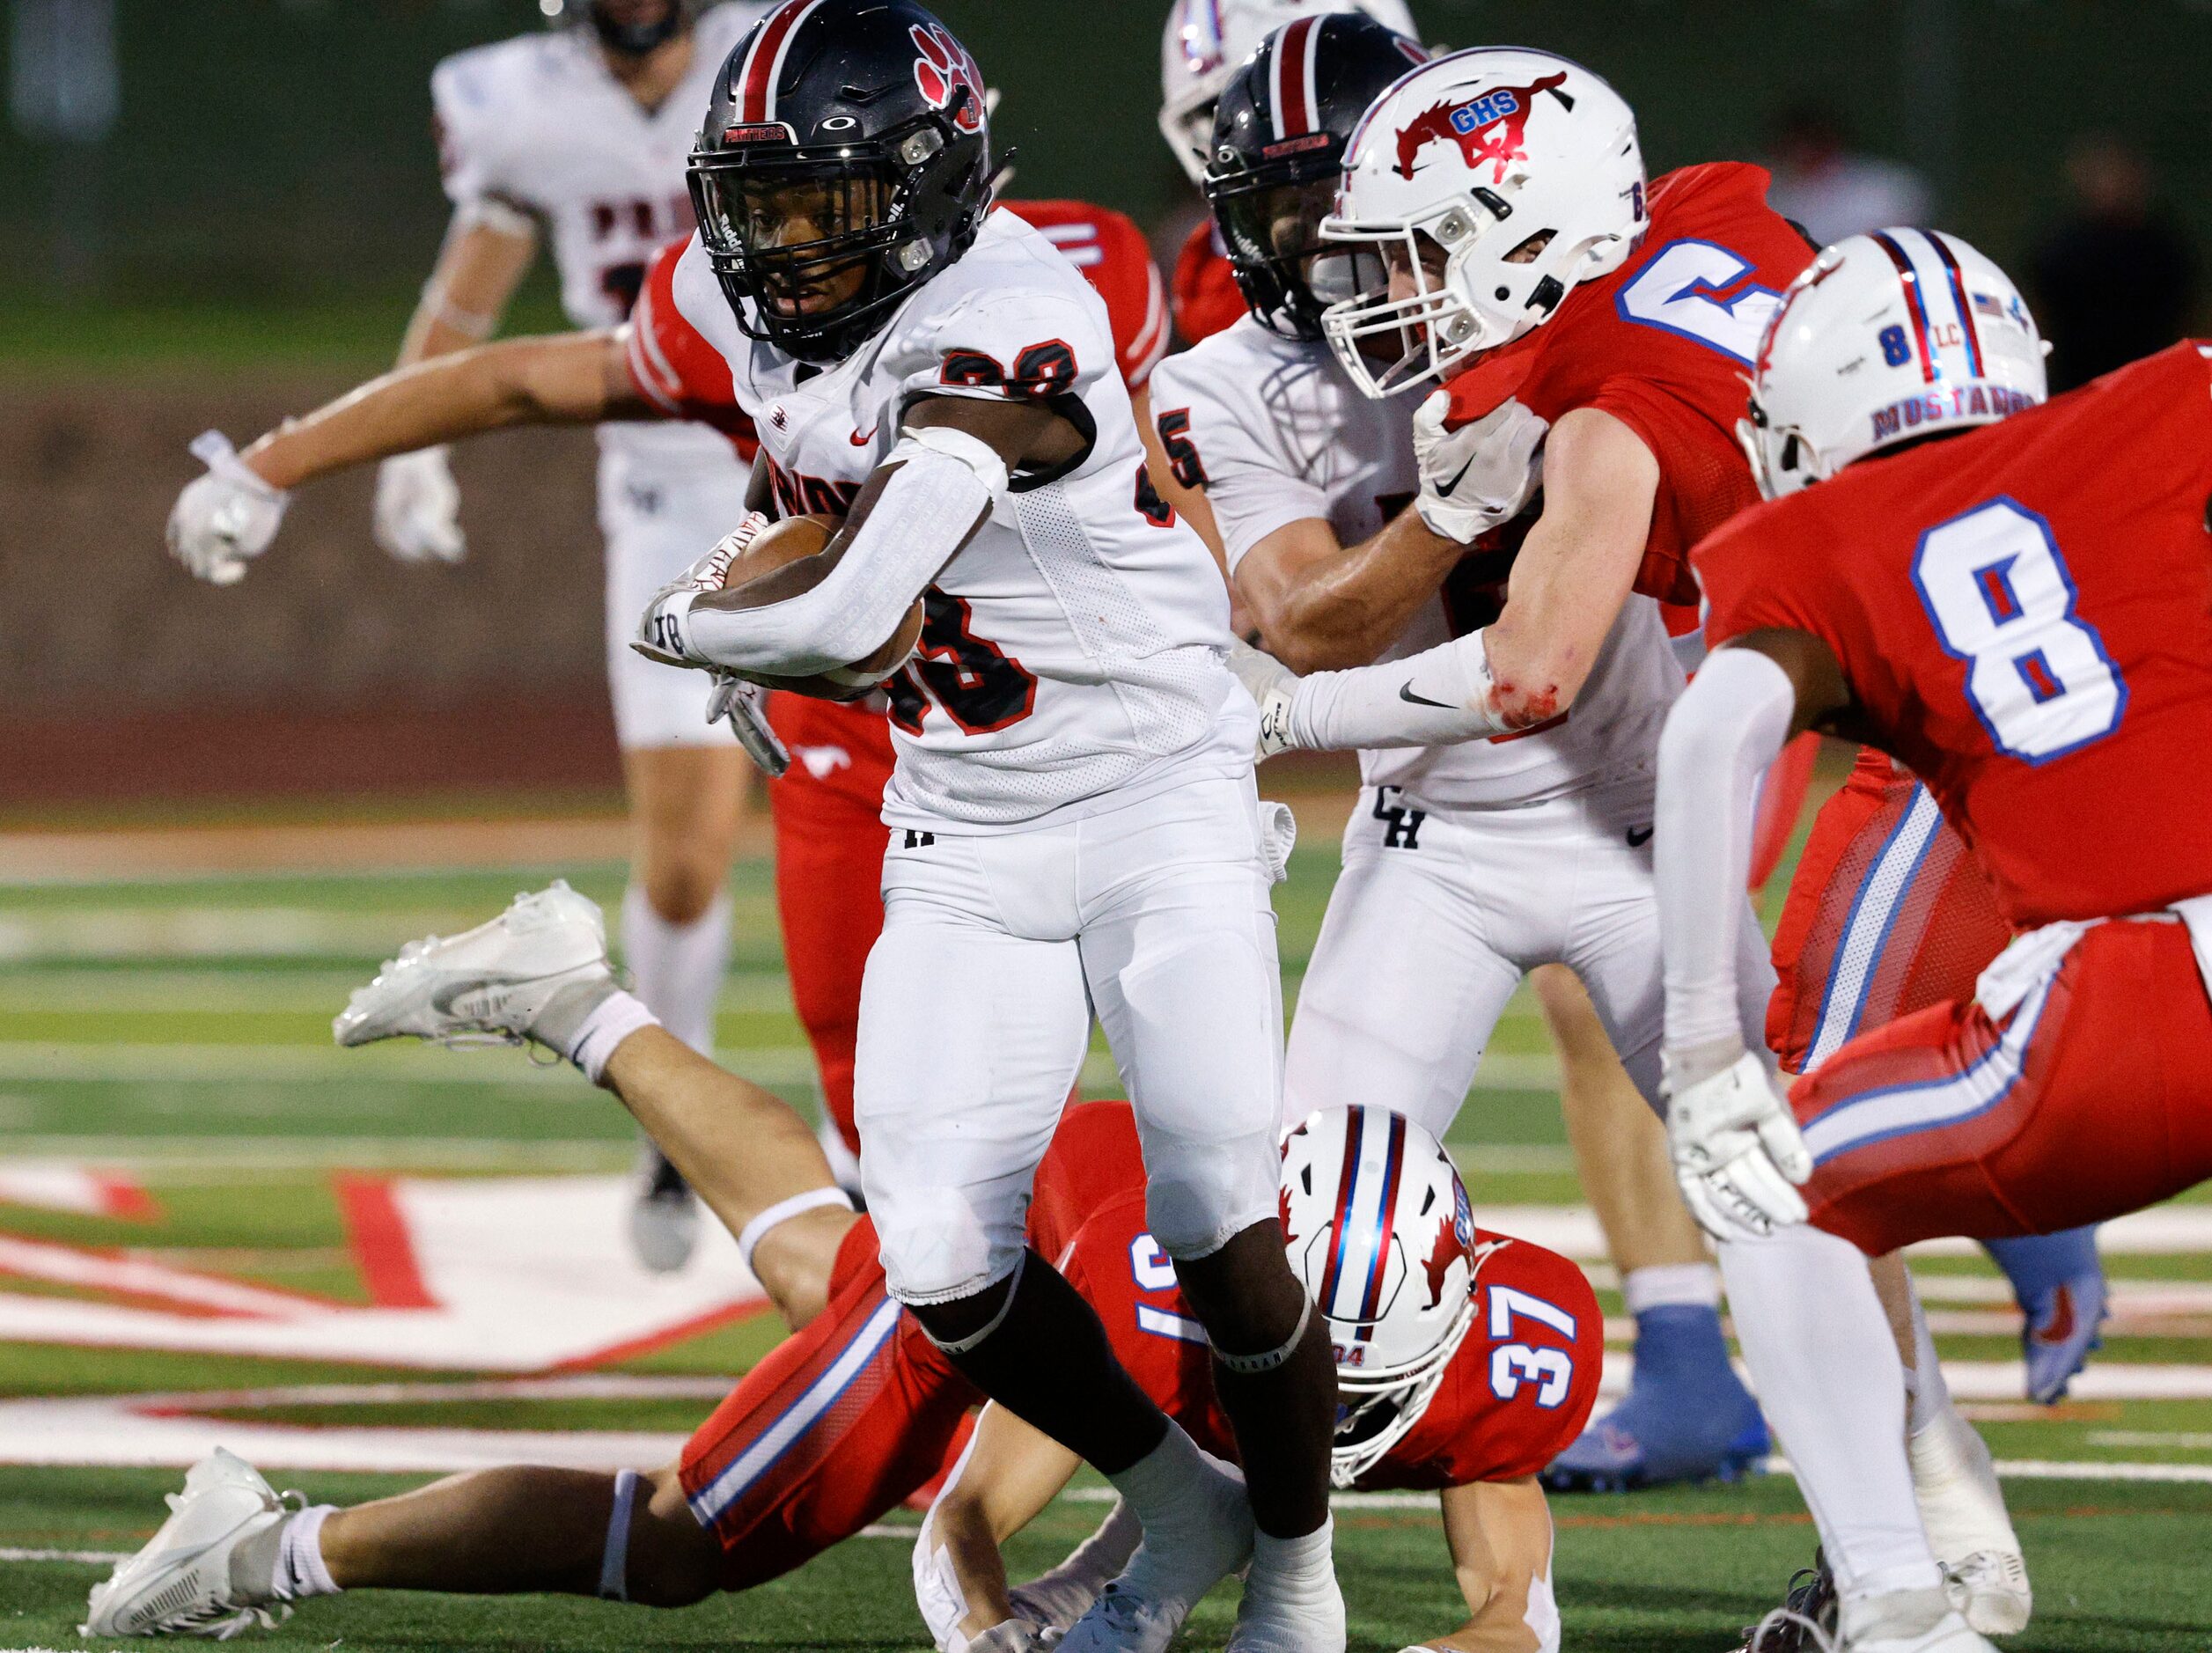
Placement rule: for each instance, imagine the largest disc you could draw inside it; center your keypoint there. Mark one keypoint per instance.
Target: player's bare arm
(1008, 1475)
(1500, 1534)
(558, 379)
(1324, 606)
(1574, 569)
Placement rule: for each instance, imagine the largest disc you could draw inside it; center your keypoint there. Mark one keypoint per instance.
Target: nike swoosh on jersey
(862, 438)
(1638, 836)
(1406, 693)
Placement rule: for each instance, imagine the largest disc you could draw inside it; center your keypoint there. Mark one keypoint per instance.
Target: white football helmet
(1517, 173)
(1205, 41)
(1378, 1228)
(1883, 339)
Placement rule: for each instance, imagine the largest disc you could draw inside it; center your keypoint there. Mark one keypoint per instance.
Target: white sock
(300, 1571)
(612, 1021)
(1299, 1567)
(1930, 1395)
(1828, 1378)
(1157, 1485)
(678, 967)
(1685, 1285)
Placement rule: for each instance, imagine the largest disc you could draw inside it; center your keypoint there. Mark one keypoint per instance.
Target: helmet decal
(754, 82)
(944, 68)
(1488, 128)
(1201, 35)
(1352, 1284)
(1959, 300)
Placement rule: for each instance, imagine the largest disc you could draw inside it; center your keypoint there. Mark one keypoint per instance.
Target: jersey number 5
(1686, 289)
(2000, 596)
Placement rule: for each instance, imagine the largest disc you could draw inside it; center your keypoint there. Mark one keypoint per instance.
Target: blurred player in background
(1529, 264)
(1301, 481)
(2023, 615)
(1203, 45)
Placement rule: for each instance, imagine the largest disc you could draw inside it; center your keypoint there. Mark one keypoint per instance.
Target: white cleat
(1963, 1509)
(1174, 1568)
(179, 1584)
(664, 1215)
(486, 985)
(1906, 1621)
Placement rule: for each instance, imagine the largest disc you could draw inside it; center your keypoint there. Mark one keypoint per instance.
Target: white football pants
(975, 1014)
(1437, 915)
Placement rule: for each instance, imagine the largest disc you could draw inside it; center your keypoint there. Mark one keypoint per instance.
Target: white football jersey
(538, 123)
(1275, 432)
(1074, 654)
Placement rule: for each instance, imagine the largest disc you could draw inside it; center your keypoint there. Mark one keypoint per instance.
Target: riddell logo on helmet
(944, 68)
(1488, 128)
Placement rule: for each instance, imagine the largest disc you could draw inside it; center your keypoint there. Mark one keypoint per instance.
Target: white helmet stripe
(1292, 72)
(1955, 285)
(763, 65)
(1374, 1162)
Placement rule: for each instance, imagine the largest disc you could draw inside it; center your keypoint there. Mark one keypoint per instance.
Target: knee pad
(1202, 1192)
(936, 1246)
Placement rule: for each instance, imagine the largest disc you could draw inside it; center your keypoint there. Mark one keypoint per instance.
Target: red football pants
(840, 1423)
(1888, 913)
(829, 846)
(2092, 1100)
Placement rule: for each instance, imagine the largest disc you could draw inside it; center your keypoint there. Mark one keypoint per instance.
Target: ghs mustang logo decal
(1488, 128)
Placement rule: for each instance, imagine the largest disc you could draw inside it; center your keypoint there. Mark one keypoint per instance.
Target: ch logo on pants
(1401, 823)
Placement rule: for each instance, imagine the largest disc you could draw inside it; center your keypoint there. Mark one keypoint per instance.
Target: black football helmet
(845, 159)
(632, 28)
(1280, 130)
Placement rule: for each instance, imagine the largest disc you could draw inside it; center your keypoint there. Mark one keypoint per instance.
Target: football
(791, 556)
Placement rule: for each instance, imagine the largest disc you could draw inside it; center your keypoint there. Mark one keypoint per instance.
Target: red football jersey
(675, 368)
(1206, 297)
(2024, 614)
(1664, 344)
(1520, 1390)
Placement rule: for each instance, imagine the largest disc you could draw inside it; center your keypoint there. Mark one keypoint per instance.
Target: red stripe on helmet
(1346, 1179)
(1959, 299)
(756, 100)
(1386, 1218)
(1292, 69)
(1909, 279)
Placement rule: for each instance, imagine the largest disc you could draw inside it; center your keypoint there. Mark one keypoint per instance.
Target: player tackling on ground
(2023, 614)
(1476, 1359)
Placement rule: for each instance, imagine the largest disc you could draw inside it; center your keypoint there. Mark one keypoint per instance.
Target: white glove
(744, 705)
(418, 510)
(1270, 683)
(1738, 1152)
(1480, 475)
(224, 519)
(661, 632)
(1054, 1601)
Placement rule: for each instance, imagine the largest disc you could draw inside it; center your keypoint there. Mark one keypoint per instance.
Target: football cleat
(1175, 1565)
(1905, 1622)
(664, 1216)
(487, 985)
(179, 1584)
(1963, 1509)
(2064, 1326)
(1806, 1621)
(1686, 1417)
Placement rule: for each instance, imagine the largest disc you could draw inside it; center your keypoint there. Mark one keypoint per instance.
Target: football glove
(661, 634)
(417, 514)
(744, 705)
(1480, 475)
(1738, 1152)
(1270, 683)
(224, 519)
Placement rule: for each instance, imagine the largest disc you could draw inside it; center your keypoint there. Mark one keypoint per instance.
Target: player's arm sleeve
(1135, 298)
(939, 485)
(1719, 739)
(672, 364)
(1213, 446)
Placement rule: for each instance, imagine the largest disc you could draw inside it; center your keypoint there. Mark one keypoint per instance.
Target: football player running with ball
(2023, 614)
(1073, 815)
(1452, 882)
